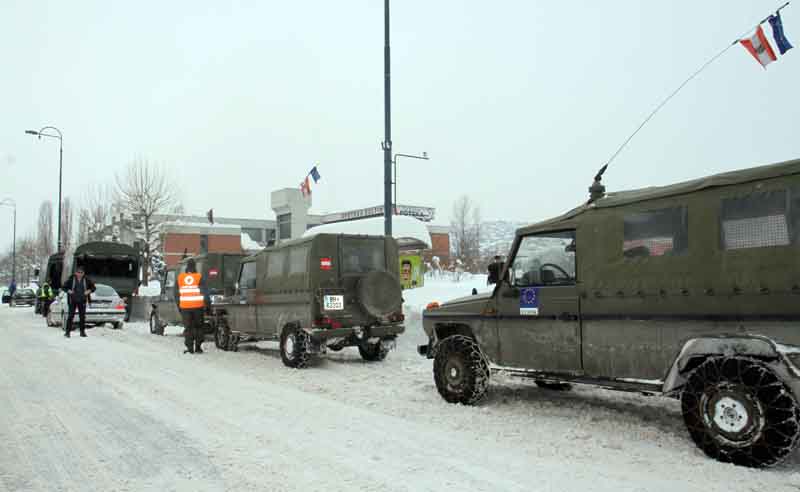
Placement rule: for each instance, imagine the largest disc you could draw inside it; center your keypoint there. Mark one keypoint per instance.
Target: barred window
(755, 221)
(656, 233)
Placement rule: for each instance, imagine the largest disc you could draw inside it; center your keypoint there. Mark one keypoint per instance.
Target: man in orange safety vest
(191, 302)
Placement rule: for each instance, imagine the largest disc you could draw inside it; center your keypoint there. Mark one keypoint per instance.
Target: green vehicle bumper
(380, 331)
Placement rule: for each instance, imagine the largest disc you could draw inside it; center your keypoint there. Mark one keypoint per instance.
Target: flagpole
(683, 84)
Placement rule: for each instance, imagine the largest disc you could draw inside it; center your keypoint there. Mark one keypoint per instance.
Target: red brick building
(178, 238)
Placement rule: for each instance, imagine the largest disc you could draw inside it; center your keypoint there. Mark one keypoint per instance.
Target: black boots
(83, 333)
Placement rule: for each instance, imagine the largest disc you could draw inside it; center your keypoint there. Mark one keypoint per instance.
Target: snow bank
(403, 229)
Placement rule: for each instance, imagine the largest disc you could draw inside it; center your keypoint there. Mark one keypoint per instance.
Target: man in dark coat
(191, 296)
(78, 288)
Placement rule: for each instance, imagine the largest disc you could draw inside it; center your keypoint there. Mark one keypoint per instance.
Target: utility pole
(387, 143)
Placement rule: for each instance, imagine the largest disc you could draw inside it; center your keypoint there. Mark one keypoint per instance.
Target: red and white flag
(305, 187)
(759, 47)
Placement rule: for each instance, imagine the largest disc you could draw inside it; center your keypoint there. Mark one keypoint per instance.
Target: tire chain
(476, 361)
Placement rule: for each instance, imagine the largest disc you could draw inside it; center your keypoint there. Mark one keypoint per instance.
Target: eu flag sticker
(529, 301)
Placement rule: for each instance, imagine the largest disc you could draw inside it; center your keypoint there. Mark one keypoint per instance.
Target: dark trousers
(81, 308)
(193, 328)
(45, 307)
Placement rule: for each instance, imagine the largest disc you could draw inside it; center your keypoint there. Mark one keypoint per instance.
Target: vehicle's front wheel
(294, 347)
(155, 324)
(373, 352)
(117, 325)
(460, 371)
(737, 410)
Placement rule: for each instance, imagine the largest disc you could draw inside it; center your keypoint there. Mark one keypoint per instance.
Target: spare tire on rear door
(380, 294)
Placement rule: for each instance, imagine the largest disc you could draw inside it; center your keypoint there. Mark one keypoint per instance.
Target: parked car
(689, 291)
(23, 297)
(5, 295)
(326, 291)
(105, 306)
(220, 271)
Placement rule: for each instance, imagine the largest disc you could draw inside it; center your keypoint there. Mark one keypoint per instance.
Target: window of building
(663, 232)
(298, 260)
(755, 221)
(203, 243)
(545, 259)
(275, 263)
(247, 277)
(285, 226)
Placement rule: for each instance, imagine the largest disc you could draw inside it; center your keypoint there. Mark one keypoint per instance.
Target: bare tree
(44, 238)
(144, 190)
(459, 224)
(66, 223)
(96, 210)
(477, 219)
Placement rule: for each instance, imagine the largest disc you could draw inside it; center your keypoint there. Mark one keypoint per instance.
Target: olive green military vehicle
(327, 291)
(690, 290)
(220, 272)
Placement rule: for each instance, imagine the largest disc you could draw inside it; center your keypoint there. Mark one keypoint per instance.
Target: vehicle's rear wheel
(460, 371)
(294, 346)
(222, 334)
(554, 386)
(737, 410)
(373, 352)
(117, 325)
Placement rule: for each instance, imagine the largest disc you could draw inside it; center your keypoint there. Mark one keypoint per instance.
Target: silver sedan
(106, 306)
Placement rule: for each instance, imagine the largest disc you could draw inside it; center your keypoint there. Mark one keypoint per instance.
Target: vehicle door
(242, 314)
(167, 307)
(537, 305)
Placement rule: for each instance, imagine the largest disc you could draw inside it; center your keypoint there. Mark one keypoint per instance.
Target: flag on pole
(305, 187)
(777, 33)
(758, 46)
(315, 174)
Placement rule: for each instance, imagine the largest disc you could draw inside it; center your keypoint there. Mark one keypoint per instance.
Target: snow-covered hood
(473, 304)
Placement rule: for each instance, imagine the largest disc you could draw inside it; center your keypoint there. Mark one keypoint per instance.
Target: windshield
(104, 291)
(363, 255)
(26, 292)
(109, 267)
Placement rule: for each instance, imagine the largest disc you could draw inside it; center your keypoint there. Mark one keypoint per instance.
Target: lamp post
(8, 202)
(424, 156)
(41, 133)
(387, 142)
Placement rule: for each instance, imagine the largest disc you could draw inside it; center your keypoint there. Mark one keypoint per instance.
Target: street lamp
(41, 134)
(424, 156)
(8, 202)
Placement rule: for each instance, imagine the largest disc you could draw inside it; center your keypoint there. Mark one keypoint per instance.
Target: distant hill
(497, 236)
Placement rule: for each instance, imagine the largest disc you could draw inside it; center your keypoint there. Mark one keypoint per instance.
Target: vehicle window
(104, 290)
(275, 263)
(109, 267)
(298, 260)
(170, 280)
(363, 255)
(661, 232)
(755, 221)
(26, 292)
(545, 259)
(247, 277)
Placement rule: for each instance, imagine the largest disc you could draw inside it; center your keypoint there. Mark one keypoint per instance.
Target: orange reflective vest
(189, 291)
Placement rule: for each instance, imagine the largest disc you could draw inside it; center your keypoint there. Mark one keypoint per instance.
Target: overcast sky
(516, 102)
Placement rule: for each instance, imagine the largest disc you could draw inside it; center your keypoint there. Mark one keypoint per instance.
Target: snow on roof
(248, 244)
(200, 228)
(405, 229)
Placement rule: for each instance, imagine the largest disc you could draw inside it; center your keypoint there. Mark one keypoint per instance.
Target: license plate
(333, 303)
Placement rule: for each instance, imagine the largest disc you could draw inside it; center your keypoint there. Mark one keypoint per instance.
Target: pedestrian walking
(191, 300)
(79, 289)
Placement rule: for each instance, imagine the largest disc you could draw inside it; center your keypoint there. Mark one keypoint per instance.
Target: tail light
(326, 322)
(120, 305)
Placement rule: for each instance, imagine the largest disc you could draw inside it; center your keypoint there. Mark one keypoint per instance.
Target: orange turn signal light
(432, 305)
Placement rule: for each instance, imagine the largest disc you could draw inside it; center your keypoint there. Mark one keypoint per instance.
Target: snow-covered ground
(126, 410)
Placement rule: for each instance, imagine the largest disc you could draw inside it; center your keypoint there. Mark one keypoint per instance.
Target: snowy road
(125, 410)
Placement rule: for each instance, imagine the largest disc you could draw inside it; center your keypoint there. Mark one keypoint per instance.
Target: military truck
(220, 271)
(690, 290)
(326, 291)
(113, 264)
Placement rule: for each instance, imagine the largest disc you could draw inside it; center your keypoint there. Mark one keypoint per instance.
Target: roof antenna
(597, 190)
